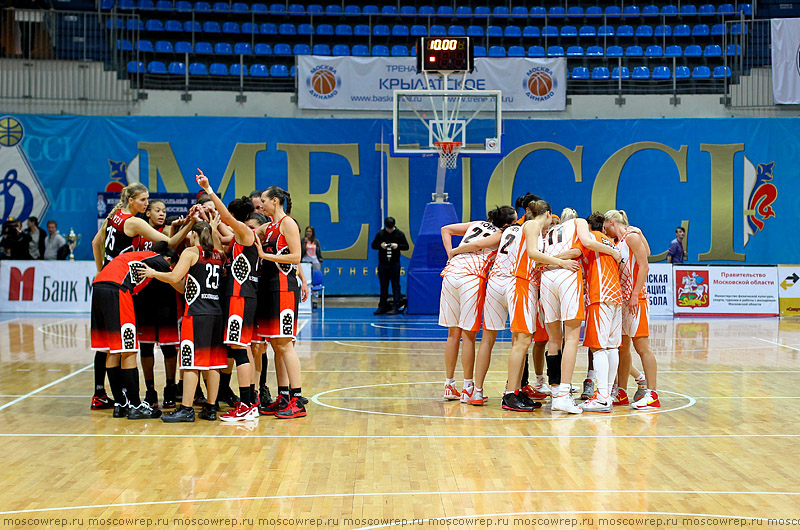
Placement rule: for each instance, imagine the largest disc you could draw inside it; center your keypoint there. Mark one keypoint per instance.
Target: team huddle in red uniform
(547, 276)
(234, 287)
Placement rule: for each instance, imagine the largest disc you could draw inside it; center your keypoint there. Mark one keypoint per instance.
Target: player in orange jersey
(562, 299)
(636, 306)
(603, 317)
(464, 289)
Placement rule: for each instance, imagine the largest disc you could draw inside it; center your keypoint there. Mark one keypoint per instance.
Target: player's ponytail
(539, 207)
(502, 216)
(284, 199)
(205, 236)
(619, 216)
(241, 209)
(567, 214)
(128, 192)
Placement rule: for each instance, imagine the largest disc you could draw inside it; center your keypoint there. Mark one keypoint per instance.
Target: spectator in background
(311, 249)
(37, 235)
(53, 241)
(676, 252)
(15, 243)
(390, 242)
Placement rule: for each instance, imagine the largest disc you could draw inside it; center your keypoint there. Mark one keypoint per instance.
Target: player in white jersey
(523, 322)
(464, 288)
(635, 306)
(562, 298)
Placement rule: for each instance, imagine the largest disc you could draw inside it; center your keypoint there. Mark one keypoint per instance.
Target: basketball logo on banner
(322, 81)
(540, 83)
(21, 193)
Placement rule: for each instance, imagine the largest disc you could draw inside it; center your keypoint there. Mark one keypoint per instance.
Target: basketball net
(448, 153)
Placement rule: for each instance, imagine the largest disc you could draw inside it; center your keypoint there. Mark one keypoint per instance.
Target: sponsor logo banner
(659, 288)
(789, 289)
(46, 286)
(726, 290)
(367, 83)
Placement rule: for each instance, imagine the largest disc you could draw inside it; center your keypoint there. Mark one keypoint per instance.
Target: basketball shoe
(476, 398)
(588, 389)
(648, 401)
(641, 388)
(102, 402)
(209, 412)
(121, 411)
(279, 404)
(515, 401)
(169, 397)
(295, 409)
(542, 387)
(241, 412)
(565, 403)
(151, 396)
(532, 393)
(450, 393)
(619, 396)
(466, 394)
(143, 412)
(264, 396)
(179, 415)
(595, 404)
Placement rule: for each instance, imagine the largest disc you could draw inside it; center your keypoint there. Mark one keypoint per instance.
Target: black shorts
(201, 345)
(241, 318)
(157, 316)
(277, 313)
(113, 321)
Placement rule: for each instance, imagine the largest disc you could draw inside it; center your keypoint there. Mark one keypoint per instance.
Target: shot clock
(444, 54)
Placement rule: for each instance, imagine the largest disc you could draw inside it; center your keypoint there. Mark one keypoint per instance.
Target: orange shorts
(636, 323)
(603, 326)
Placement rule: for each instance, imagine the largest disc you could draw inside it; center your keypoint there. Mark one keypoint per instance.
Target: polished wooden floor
(380, 448)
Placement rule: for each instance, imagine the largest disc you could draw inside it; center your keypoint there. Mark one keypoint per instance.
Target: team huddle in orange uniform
(548, 276)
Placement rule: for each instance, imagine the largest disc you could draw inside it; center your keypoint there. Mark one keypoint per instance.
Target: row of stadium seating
(643, 72)
(399, 50)
(419, 30)
(463, 11)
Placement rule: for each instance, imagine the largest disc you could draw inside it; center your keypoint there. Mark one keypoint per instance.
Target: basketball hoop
(448, 153)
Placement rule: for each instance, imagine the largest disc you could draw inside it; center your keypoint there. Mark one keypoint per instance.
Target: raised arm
(478, 244)
(531, 231)
(448, 231)
(591, 243)
(243, 234)
(175, 277)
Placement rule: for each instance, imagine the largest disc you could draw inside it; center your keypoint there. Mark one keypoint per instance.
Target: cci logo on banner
(21, 193)
(692, 288)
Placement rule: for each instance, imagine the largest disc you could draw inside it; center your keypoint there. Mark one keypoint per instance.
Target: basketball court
(380, 446)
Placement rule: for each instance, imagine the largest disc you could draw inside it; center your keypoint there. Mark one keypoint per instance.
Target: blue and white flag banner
(786, 60)
(366, 83)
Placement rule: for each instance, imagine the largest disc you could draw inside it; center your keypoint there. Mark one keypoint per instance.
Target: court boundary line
(48, 385)
(392, 436)
(777, 344)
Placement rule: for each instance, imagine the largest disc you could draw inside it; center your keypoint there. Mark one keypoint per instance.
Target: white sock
(613, 364)
(539, 378)
(468, 383)
(591, 373)
(450, 381)
(564, 388)
(641, 381)
(600, 359)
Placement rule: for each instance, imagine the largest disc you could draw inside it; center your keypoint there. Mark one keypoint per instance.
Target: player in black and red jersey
(115, 237)
(279, 298)
(198, 274)
(113, 325)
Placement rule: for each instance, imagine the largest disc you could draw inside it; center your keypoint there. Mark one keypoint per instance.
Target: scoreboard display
(444, 54)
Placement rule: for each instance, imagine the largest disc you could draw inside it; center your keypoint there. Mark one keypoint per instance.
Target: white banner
(659, 289)
(726, 290)
(789, 291)
(786, 60)
(46, 286)
(366, 83)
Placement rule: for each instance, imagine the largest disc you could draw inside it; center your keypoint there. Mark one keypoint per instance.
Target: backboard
(422, 117)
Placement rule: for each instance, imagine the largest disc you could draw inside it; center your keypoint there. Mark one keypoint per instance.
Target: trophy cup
(72, 241)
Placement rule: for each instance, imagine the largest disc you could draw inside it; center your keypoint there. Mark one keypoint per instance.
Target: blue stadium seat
(313, 9)
(669, 11)
(654, 51)
(426, 11)
(282, 49)
(183, 46)
(192, 26)
(136, 67)
(240, 8)
(156, 67)
(301, 49)
(400, 30)
(287, 29)
(381, 30)
(575, 12)
(580, 72)
(623, 73)
(177, 68)
(126, 5)
(613, 12)
(594, 51)
(519, 12)
(701, 72)
(262, 49)
(361, 30)
(644, 31)
(661, 73)
(456, 31)
(322, 29)
(569, 31)
(230, 27)
(631, 11)
(408, 11)
(713, 50)
(243, 48)
(516, 51)
(530, 31)
(633, 51)
(221, 7)
(445, 11)
(218, 69)
(556, 12)
(463, 11)
(736, 29)
(144, 46)
(512, 31)
(733, 50)
(372, 10)
(721, 72)
(688, 10)
(437, 30)
(164, 5)
(124, 45)
(587, 31)
(594, 12)
(237, 70)
(380, 50)
(259, 70)
(641, 72)
(352, 10)
(203, 47)
(249, 28)
(538, 12)
(682, 72)
(399, 50)
(198, 69)
(164, 46)
(663, 30)
(605, 31)
(183, 6)
(494, 31)
(575, 51)
(154, 25)
(479, 51)
(343, 30)
(107, 5)
(293, 71)
(202, 7)
(341, 50)
(550, 31)
(476, 31)
(700, 30)
(555, 51)
(321, 49)
(614, 51)
(650, 11)
(259, 8)
(175, 26)
(389, 11)
(500, 11)
(145, 5)
(625, 31)
(681, 30)
(280, 9)
(302, 29)
(726, 9)
(600, 72)
(418, 30)
(706, 10)
(717, 30)
(211, 27)
(693, 50)
(360, 50)
(333, 10)
(497, 51)
(673, 51)
(278, 70)
(536, 51)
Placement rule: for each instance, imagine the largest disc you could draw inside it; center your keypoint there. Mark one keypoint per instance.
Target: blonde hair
(538, 208)
(618, 216)
(128, 192)
(567, 214)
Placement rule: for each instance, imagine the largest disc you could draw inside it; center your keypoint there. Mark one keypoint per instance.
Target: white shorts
(499, 291)
(637, 323)
(603, 326)
(523, 306)
(561, 295)
(461, 301)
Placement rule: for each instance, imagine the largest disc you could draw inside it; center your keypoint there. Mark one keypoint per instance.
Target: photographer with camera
(390, 242)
